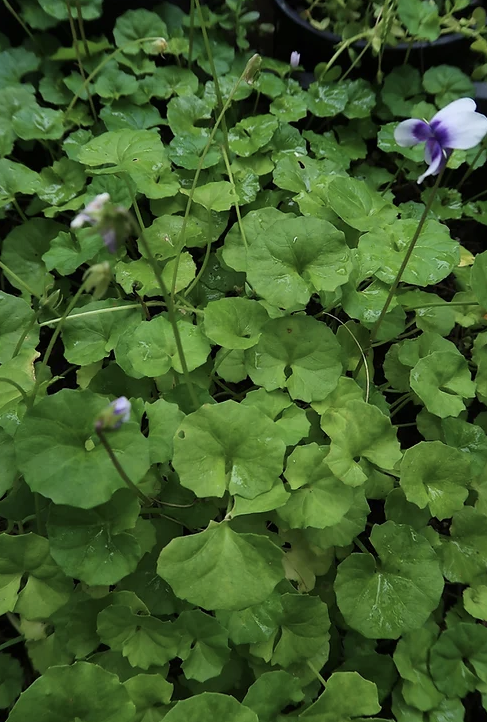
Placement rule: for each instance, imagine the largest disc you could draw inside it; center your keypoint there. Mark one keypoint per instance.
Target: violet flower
(111, 222)
(456, 126)
(114, 415)
(295, 58)
(93, 213)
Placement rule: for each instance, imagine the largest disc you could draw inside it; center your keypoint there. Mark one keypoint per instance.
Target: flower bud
(115, 414)
(97, 279)
(159, 46)
(252, 68)
(295, 58)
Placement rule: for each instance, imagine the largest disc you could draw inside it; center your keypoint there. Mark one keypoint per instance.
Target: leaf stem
(237, 206)
(405, 261)
(19, 388)
(74, 35)
(471, 167)
(168, 299)
(11, 642)
(19, 210)
(120, 469)
(18, 280)
(101, 310)
(316, 673)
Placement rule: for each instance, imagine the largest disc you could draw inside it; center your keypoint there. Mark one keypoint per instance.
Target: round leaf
(234, 322)
(220, 569)
(228, 446)
(297, 353)
(396, 593)
(295, 258)
(436, 475)
(208, 707)
(61, 458)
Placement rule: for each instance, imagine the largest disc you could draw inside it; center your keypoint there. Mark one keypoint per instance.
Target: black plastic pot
(316, 46)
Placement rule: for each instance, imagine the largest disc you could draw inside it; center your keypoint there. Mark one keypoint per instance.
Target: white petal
(411, 132)
(459, 126)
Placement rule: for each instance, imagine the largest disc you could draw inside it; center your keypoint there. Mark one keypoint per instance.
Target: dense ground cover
(242, 444)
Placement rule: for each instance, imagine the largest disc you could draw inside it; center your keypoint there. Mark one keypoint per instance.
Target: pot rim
(334, 38)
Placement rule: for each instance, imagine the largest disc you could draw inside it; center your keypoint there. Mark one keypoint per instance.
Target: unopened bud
(97, 279)
(115, 414)
(294, 59)
(159, 46)
(252, 68)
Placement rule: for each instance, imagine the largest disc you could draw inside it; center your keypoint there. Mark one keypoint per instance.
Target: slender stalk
(25, 333)
(78, 58)
(361, 546)
(357, 60)
(191, 34)
(121, 470)
(20, 21)
(81, 26)
(101, 310)
(182, 233)
(394, 177)
(17, 386)
(37, 505)
(471, 167)
(343, 46)
(316, 673)
(237, 207)
(168, 300)
(11, 642)
(19, 210)
(196, 279)
(216, 82)
(18, 280)
(406, 258)
(54, 337)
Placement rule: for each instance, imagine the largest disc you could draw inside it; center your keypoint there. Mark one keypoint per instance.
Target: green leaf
(22, 251)
(16, 178)
(208, 707)
(464, 553)
(478, 278)
(134, 25)
(394, 594)
(294, 258)
(94, 545)
(228, 446)
(16, 317)
(289, 108)
(401, 91)
(185, 112)
(61, 182)
(68, 251)
(124, 114)
(442, 380)
(297, 353)
(8, 462)
(361, 99)
(90, 9)
(435, 475)
(153, 349)
(435, 254)
(21, 370)
(347, 695)
(304, 629)
(271, 692)
(218, 196)
(202, 568)
(31, 583)
(61, 694)
(420, 19)
(92, 337)
(411, 658)
(132, 151)
(38, 123)
(148, 692)
(458, 660)
(15, 63)
(447, 83)
(292, 423)
(255, 624)
(318, 498)
(11, 680)
(144, 640)
(234, 322)
(164, 420)
(252, 133)
(358, 205)
(113, 83)
(61, 458)
(325, 100)
(204, 648)
(343, 533)
(254, 223)
(359, 430)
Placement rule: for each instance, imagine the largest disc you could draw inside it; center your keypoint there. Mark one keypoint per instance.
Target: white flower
(295, 58)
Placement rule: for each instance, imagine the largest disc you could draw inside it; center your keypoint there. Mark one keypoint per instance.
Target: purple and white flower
(456, 126)
(111, 222)
(114, 415)
(295, 58)
(93, 213)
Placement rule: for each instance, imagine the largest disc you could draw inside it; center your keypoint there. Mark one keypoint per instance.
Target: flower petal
(435, 157)
(411, 132)
(458, 125)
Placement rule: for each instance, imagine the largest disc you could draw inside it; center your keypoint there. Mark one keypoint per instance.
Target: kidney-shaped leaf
(297, 353)
(221, 569)
(82, 691)
(385, 597)
(347, 695)
(435, 475)
(61, 458)
(228, 446)
(294, 258)
(234, 322)
(210, 707)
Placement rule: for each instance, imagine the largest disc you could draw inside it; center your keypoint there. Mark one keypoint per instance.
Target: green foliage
(300, 478)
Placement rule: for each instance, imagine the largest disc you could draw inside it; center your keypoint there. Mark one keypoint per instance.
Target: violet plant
(242, 379)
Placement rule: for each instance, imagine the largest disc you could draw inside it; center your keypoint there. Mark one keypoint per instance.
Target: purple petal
(411, 132)
(121, 407)
(110, 239)
(435, 156)
(457, 125)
